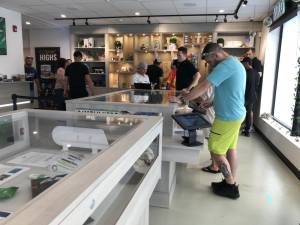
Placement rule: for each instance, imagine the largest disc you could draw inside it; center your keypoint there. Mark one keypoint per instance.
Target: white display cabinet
(148, 102)
(103, 169)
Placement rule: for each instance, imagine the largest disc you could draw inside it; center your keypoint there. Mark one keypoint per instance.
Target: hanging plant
(296, 116)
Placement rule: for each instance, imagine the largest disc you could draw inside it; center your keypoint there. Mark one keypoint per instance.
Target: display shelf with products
(92, 48)
(115, 164)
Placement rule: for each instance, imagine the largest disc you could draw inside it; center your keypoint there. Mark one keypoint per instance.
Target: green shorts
(224, 135)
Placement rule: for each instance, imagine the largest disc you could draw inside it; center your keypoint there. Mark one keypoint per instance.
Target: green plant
(296, 116)
(221, 42)
(173, 40)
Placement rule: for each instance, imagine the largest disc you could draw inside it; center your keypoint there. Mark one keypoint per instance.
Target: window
(287, 71)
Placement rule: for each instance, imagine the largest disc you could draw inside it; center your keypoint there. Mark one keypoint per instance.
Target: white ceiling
(41, 13)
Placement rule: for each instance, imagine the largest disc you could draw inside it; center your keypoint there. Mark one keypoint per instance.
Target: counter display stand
(73, 168)
(147, 102)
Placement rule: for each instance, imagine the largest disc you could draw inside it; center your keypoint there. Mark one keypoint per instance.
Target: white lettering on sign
(278, 10)
(51, 57)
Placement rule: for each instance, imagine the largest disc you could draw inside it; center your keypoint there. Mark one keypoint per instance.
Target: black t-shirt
(185, 74)
(154, 73)
(252, 83)
(256, 64)
(76, 76)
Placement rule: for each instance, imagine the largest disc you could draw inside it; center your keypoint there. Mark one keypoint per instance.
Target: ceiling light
(148, 20)
(216, 20)
(225, 19)
(107, 0)
(144, 35)
(121, 20)
(130, 35)
(74, 24)
(27, 23)
(221, 10)
(245, 2)
(235, 16)
(63, 16)
(35, 132)
(137, 13)
(173, 34)
(86, 22)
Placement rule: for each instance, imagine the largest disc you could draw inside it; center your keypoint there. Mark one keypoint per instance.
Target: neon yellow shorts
(224, 135)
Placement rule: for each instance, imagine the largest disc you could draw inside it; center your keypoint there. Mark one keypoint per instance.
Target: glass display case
(75, 168)
(138, 102)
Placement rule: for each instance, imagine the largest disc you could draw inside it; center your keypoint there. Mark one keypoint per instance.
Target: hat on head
(142, 65)
(209, 48)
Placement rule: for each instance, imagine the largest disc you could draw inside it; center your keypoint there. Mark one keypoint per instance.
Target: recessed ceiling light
(107, 0)
(221, 10)
(189, 4)
(137, 13)
(144, 34)
(120, 20)
(27, 23)
(63, 16)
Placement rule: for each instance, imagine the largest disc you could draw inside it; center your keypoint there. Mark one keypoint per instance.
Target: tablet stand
(191, 140)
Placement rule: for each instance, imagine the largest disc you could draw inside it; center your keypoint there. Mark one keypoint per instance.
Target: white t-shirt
(140, 79)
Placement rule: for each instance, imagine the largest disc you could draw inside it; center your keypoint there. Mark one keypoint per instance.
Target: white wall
(12, 63)
(50, 38)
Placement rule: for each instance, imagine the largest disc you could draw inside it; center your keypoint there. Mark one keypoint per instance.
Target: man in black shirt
(187, 76)
(155, 74)
(32, 76)
(252, 83)
(256, 63)
(77, 77)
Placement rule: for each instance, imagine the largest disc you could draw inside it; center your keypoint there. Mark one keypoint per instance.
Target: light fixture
(221, 10)
(121, 20)
(118, 35)
(35, 132)
(130, 35)
(74, 24)
(236, 16)
(27, 23)
(144, 34)
(225, 19)
(245, 2)
(148, 20)
(63, 16)
(137, 13)
(86, 22)
(216, 20)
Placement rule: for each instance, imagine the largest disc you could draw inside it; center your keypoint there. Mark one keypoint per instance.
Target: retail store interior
(150, 112)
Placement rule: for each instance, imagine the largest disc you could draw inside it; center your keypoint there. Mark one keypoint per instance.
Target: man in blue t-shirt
(228, 77)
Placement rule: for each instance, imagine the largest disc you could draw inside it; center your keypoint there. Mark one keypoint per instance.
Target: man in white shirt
(140, 77)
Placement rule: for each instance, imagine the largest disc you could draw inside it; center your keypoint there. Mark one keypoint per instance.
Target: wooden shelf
(93, 61)
(152, 51)
(131, 61)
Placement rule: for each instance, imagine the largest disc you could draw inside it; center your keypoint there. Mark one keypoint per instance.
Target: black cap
(247, 60)
(209, 48)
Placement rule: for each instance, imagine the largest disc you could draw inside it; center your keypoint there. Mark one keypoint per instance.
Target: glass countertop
(137, 96)
(46, 145)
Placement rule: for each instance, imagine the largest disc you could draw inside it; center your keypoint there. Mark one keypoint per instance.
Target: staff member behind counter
(187, 76)
(140, 78)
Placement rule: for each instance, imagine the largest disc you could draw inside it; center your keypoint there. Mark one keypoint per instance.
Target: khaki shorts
(224, 136)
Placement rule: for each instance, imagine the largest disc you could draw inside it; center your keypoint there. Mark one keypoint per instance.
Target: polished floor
(270, 193)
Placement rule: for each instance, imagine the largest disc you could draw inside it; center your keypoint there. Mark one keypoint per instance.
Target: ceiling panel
(44, 11)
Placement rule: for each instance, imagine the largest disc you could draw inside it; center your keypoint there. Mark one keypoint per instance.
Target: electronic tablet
(191, 121)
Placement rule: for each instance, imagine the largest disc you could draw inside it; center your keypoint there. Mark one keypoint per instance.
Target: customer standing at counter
(60, 84)
(187, 76)
(77, 77)
(32, 76)
(228, 77)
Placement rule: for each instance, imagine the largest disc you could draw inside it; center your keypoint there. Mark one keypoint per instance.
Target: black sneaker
(226, 190)
(246, 133)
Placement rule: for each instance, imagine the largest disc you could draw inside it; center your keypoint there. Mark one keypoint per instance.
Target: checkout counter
(148, 102)
(72, 168)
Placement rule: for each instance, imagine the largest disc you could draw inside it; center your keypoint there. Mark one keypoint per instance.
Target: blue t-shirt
(229, 79)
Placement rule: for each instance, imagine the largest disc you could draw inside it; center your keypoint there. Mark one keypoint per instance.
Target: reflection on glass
(114, 204)
(137, 96)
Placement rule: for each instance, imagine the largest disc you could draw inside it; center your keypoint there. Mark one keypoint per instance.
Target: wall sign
(46, 59)
(279, 9)
(3, 48)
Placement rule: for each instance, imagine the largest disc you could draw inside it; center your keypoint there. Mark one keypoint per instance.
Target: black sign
(46, 59)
